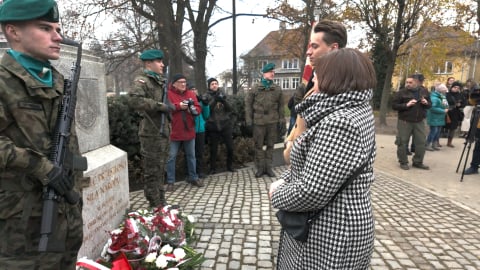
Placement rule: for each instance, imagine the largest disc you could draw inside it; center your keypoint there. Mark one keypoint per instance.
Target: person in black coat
(219, 125)
(456, 102)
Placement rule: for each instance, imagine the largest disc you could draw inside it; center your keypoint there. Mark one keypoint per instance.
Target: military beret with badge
(25, 10)
(268, 67)
(151, 55)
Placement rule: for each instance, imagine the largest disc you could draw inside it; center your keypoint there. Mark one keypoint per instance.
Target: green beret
(151, 55)
(25, 10)
(268, 67)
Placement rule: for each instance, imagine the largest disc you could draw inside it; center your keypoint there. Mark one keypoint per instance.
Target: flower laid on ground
(148, 240)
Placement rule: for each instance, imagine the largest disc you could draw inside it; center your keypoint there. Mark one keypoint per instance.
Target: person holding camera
(183, 129)
(200, 122)
(219, 125)
(265, 113)
(412, 103)
(473, 100)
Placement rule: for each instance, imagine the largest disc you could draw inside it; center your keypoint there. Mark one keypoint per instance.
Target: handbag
(297, 224)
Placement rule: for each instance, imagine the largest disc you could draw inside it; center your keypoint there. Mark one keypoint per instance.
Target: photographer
(411, 103)
(474, 100)
(456, 103)
(183, 129)
(219, 125)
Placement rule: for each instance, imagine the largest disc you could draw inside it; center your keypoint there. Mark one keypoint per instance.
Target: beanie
(177, 77)
(209, 81)
(457, 83)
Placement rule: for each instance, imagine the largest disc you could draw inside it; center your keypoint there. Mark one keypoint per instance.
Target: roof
(279, 43)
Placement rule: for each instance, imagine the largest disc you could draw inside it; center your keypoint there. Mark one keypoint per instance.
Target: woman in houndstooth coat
(340, 137)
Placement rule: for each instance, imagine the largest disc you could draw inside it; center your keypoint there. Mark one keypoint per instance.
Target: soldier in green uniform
(264, 110)
(31, 91)
(148, 97)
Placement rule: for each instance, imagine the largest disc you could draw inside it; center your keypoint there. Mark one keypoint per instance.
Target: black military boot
(270, 172)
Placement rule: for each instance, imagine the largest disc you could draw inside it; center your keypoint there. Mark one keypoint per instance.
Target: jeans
(189, 149)
(434, 134)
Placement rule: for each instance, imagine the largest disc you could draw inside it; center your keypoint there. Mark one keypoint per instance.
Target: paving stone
(415, 229)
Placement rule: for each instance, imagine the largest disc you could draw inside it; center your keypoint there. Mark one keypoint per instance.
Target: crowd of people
(331, 145)
(446, 109)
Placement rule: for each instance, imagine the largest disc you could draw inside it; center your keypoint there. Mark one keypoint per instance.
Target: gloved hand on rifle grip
(163, 107)
(59, 181)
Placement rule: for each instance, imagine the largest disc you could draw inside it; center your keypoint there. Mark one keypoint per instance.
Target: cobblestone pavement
(415, 229)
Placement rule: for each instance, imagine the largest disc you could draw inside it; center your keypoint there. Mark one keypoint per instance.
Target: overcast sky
(250, 31)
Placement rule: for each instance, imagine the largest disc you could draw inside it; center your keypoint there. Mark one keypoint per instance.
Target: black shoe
(231, 169)
(212, 171)
(420, 166)
(259, 174)
(471, 170)
(198, 183)
(404, 166)
(270, 173)
(170, 187)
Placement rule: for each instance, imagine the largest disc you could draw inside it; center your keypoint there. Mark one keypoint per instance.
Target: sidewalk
(423, 219)
(441, 178)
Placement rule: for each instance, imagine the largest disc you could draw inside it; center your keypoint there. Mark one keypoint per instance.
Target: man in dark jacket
(411, 103)
(264, 110)
(219, 125)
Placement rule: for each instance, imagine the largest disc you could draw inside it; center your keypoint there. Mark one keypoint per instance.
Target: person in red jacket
(183, 129)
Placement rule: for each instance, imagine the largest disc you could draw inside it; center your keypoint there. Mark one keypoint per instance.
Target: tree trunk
(387, 89)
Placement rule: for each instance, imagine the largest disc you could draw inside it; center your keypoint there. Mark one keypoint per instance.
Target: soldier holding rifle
(31, 93)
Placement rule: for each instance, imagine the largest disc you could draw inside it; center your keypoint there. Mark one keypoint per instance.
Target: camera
(191, 107)
(220, 97)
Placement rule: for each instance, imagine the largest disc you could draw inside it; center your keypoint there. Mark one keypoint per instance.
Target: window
(286, 83)
(295, 82)
(447, 68)
(276, 81)
(290, 63)
(262, 63)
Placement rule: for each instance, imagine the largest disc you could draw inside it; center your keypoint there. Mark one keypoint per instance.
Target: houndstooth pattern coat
(339, 139)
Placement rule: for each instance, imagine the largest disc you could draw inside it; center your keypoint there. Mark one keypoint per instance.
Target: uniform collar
(41, 71)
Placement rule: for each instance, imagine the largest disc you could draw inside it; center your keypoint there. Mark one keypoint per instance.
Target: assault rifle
(61, 157)
(166, 102)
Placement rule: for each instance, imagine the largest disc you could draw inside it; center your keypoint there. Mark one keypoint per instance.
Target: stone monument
(106, 193)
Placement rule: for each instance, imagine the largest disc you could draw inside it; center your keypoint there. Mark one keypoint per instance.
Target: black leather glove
(249, 129)
(205, 98)
(59, 181)
(165, 107)
(220, 97)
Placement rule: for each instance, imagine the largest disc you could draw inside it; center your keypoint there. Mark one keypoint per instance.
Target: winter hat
(177, 77)
(457, 83)
(209, 81)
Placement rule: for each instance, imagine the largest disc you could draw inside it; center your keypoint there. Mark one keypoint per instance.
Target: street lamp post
(234, 33)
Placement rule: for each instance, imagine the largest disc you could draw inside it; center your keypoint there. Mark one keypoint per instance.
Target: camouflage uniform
(264, 110)
(28, 112)
(147, 97)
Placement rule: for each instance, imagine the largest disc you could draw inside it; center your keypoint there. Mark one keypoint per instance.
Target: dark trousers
(199, 150)
(476, 151)
(214, 137)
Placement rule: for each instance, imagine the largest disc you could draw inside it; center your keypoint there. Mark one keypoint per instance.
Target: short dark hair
(334, 32)
(344, 70)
